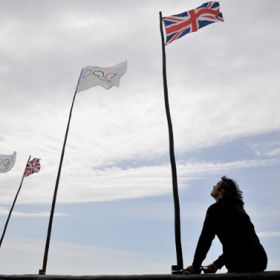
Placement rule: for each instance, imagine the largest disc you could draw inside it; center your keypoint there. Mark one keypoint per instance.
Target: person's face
(217, 193)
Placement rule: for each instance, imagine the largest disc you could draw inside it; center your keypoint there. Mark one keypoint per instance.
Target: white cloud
(269, 234)
(268, 149)
(84, 184)
(20, 214)
(215, 96)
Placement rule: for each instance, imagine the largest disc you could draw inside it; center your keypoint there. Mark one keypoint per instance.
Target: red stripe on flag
(194, 15)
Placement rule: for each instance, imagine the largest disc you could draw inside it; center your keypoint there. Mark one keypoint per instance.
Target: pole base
(175, 269)
(42, 272)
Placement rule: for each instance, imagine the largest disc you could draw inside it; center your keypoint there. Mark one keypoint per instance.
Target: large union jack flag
(179, 25)
(33, 166)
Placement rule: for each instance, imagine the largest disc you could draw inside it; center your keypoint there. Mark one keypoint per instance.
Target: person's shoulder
(215, 207)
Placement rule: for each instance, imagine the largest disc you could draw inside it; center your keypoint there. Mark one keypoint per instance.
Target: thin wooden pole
(179, 265)
(14, 202)
(45, 260)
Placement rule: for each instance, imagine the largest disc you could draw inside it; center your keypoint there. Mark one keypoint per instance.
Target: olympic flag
(7, 162)
(106, 77)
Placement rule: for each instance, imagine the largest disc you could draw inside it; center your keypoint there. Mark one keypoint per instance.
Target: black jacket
(242, 251)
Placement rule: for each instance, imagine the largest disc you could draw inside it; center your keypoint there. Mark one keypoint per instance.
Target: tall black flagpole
(14, 202)
(43, 270)
(179, 266)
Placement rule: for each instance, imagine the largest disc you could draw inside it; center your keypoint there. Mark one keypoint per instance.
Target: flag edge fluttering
(33, 169)
(218, 17)
(103, 77)
(11, 157)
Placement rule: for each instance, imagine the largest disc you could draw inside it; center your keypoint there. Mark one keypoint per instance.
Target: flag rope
(179, 254)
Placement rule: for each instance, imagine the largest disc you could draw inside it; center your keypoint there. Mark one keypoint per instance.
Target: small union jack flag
(33, 166)
(179, 25)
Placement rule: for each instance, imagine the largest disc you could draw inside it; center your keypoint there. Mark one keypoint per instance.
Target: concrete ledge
(220, 276)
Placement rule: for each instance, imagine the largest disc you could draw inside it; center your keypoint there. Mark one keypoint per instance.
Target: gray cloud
(222, 82)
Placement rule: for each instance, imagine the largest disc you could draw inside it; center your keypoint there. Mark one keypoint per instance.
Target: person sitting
(228, 220)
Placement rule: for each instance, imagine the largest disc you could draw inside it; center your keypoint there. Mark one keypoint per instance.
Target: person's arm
(205, 239)
(213, 267)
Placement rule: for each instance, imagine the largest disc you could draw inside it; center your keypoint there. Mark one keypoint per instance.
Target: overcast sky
(114, 210)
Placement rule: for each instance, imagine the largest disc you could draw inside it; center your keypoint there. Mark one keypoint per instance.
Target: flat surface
(262, 275)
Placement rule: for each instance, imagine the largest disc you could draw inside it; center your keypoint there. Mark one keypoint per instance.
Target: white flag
(106, 77)
(7, 162)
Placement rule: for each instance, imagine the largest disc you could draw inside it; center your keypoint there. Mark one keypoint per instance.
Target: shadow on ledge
(227, 276)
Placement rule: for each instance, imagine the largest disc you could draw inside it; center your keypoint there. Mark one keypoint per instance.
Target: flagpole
(179, 266)
(14, 202)
(45, 260)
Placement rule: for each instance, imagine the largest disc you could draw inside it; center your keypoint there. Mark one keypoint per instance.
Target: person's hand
(190, 269)
(211, 268)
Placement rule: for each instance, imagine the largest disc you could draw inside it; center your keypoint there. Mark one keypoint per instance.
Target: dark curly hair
(232, 193)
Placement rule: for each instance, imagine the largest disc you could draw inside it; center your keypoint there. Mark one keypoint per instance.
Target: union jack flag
(179, 25)
(33, 166)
